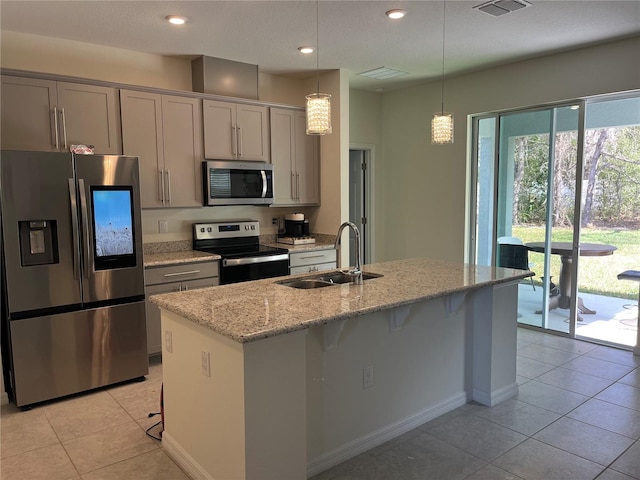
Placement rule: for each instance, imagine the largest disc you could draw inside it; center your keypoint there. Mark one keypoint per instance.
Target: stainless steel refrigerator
(73, 314)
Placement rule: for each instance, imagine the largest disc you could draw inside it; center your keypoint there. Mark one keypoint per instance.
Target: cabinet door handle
(293, 188)
(168, 186)
(297, 186)
(161, 185)
(55, 125)
(64, 128)
(234, 141)
(239, 140)
(190, 272)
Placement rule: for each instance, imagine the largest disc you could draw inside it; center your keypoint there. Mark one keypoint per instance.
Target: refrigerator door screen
(113, 232)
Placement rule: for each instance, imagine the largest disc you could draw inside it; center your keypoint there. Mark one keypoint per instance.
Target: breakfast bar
(266, 381)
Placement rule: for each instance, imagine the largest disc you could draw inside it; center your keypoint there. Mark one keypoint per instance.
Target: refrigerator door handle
(74, 227)
(85, 227)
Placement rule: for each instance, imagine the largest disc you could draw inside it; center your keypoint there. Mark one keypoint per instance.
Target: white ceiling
(353, 35)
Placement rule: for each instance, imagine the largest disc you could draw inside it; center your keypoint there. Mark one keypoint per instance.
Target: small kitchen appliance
(237, 183)
(296, 231)
(238, 243)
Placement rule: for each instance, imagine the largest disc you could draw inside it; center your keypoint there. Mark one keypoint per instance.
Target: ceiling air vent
(383, 73)
(500, 7)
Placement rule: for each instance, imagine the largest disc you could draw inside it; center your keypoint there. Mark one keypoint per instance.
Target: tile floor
(577, 416)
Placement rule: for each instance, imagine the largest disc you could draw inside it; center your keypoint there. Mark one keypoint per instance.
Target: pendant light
(442, 123)
(318, 105)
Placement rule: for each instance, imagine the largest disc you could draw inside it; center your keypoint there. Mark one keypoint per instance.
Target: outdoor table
(565, 250)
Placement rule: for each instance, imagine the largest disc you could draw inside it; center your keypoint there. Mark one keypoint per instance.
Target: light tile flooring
(577, 416)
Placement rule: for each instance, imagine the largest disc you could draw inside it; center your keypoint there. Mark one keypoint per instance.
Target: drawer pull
(312, 256)
(190, 272)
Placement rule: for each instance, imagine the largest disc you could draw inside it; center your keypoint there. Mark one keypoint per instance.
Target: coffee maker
(296, 230)
(294, 225)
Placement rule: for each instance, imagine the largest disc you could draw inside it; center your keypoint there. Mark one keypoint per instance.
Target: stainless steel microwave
(237, 183)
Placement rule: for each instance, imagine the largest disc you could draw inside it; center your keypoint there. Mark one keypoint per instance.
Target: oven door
(237, 183)
(236, 270)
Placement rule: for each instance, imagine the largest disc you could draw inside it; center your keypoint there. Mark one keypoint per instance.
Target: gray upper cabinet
(46, 115)
(294, 155)
(165, 131)
(235, 131)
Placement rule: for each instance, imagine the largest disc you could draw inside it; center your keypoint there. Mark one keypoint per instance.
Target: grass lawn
(595, 274)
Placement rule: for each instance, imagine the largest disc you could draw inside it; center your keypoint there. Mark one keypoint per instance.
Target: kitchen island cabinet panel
(165, 131)
(436, 334)
(45, 115)
(235, 131)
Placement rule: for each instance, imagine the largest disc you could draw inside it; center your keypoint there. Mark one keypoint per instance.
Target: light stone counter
(249, 311)
(172, 258)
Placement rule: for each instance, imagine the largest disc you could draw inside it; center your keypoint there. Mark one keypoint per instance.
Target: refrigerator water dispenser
(38, 242)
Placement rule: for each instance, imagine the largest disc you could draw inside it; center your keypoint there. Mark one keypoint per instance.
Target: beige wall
(365, 131)
(424, 185)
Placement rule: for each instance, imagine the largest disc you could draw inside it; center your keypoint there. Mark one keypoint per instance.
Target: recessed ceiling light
(306, 50)
(176, 19)
(396, 13)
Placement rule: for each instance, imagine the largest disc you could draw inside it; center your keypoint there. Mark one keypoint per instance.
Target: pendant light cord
(317, 47)
(444, 18)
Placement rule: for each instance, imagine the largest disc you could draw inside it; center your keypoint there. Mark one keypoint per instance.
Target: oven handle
(234, 262)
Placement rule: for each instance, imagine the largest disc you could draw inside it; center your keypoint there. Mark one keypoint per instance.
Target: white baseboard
(491, 399)
(183, 459)
(378, 437)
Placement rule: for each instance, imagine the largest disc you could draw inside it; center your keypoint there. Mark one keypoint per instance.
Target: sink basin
(340, 277)
(306, 283)
(319, 280)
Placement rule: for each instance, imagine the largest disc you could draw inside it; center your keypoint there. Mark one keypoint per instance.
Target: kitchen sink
(319, 280)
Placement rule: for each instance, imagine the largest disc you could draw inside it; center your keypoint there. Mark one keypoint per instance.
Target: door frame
(368, 234)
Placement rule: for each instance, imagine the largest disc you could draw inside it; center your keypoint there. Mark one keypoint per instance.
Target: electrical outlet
(168, 341)
(367, 377)
(206, 363)
(274, 221)
(163, 226)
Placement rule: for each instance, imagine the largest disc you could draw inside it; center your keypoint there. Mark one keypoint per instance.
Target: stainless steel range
(238, 243)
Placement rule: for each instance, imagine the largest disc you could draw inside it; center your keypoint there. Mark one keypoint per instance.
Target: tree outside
(611, 200)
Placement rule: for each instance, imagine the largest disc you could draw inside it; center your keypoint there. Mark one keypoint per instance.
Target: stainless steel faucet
(356, 273)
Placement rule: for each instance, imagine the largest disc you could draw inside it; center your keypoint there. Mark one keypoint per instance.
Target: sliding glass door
(555, 189)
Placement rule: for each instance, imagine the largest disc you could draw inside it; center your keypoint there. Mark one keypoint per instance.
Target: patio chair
(634, 276)
(514, 256)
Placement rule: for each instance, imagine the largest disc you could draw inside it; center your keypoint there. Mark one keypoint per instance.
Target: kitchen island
(264, 381)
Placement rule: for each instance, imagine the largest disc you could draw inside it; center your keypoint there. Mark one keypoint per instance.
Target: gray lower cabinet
(173, 278)
(50, 116)
(312, 261)
(165, 131)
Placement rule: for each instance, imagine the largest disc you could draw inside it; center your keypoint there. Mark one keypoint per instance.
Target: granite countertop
(171, 258)
(301, 248)
(250, 311)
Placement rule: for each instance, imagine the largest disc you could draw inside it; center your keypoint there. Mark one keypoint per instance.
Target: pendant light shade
(442, 123)
(318, 113)
(318, 105)
(442, 128)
